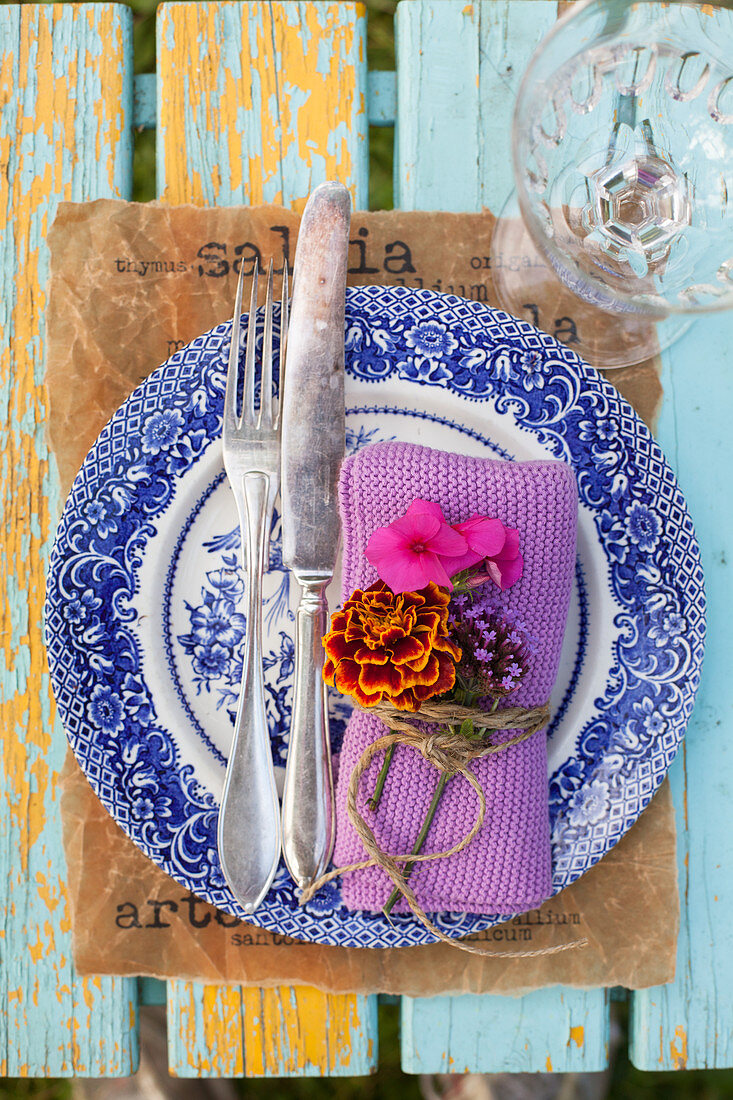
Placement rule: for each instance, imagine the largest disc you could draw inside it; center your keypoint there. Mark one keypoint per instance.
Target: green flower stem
(374, 800)
(395, 895)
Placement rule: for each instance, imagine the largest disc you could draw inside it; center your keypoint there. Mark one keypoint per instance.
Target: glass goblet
(622, 147)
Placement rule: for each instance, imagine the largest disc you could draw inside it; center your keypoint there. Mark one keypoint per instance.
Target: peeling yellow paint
(21, 492)
(48, 110)
(302, 101)
(37, 950)
(577, 1036)
(209, 1027)
(47, 891)
(548, 1064)
(678, 1048)
(222, 1007)
(50, 91)
(289, 1029)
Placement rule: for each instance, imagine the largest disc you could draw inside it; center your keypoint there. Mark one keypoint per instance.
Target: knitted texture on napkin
(506, 868)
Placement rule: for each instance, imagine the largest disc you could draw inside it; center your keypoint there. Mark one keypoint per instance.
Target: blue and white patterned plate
(144, 632)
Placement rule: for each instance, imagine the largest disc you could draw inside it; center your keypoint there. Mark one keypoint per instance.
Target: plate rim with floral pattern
(471, 351)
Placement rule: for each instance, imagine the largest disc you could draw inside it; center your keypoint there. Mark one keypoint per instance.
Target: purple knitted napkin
(506, 867)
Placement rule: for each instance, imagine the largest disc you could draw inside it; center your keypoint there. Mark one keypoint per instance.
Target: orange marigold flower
(394, 648)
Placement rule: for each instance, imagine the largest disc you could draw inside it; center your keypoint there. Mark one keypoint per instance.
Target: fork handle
(308, 809)
(249, 815)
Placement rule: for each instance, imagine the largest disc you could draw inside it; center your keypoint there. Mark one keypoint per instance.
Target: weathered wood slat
(205, 1030)
(291, 1031)
(382, 98)
(65, 109)
(437, 47)
(261, 102)
(144, 99)
(458, 70)
(687, 1024)
(509, 33)
(547, 1031)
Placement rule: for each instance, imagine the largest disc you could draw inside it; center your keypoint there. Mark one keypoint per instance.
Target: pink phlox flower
(420, 507)
(504, 568)
(485, 538)
(414, 550)
(507, 567)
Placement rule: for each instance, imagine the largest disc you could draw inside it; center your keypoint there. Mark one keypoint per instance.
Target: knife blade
(313, 440)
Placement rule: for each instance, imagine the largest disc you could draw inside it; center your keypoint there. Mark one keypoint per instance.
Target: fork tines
(264, 416)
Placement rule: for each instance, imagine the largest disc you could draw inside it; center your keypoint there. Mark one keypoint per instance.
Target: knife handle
(308, 823)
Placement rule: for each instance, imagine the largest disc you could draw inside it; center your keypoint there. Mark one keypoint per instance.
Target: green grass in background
(34, 1088)
(143, 41)
(380, 55)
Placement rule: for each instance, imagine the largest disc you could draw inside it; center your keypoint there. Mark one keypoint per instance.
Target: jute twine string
(450, 753)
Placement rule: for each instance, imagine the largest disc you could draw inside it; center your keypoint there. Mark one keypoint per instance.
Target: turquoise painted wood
(458, 71)
(437, 48)
(458, 68)
(509, 33)
(549, 1031)
(144, 101)
(382, 98)
(688, 1024)
(151, 991)
(64, 134)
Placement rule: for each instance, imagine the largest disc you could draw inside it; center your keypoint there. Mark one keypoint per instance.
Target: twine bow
(450, 753)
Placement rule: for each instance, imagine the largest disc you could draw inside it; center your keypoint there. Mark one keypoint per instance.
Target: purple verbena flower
(497, 651)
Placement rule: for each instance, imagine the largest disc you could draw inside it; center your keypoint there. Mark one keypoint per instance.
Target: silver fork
(249, 816)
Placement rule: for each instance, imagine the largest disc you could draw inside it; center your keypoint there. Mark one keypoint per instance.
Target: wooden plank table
(260, 102)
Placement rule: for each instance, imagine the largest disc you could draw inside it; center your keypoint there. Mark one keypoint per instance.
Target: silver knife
(313, 431)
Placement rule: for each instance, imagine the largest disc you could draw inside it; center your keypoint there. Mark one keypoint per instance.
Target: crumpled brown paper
(129, 285)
